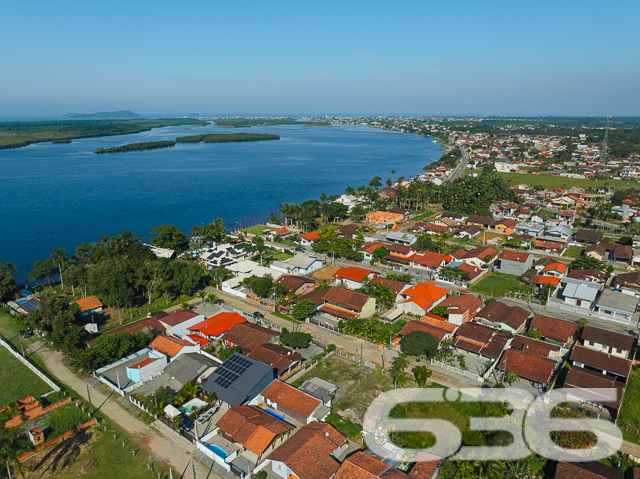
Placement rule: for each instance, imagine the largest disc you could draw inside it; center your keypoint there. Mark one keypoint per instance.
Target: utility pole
(21, 346)
(89, 396)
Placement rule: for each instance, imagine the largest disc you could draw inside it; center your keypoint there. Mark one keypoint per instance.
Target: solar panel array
(230, 370)
(31, 305)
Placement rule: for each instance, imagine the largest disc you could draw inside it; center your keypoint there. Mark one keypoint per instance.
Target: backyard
(255, 229)
(17, 380)
(573, 251)
(498, 284)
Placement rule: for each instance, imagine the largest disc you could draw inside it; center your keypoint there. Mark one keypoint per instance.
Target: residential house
(588, 237)
(282, 232)
(300, 264)
(560, 234)
(384, 218)
(456, 217)
(400, 211)
(532, 229)
(190, 367)
(446, 222)
(349, 231)
(439, 332)
(353, 277)
(624, 211)
(400, 255)
(578, 294)
(506, 226)
(469, 232)
(216, 326)
(395, 286)
(248, 336)
(292, 404)
(508, 318)
(348, 200)
(609, 342)
(343, 303)
(253, 429)
(368, 249)
(89, 305)
(525, 365)
(360, 465)
(601, 362)
(594, 383)
(239, 380)
(539, 218)
(297, 284)
(432, 229)
(428, 260)
(307, 239)
(421, 298)
(554, 330)
(542, 280)
(178, 323)
(515, 262)
(481, 340)
(566, 217)
(148, 324)
(476, 220)
(557, 270)
(320, 389)
(402, 238)
(618, 307)
(589, 275)
(308, 454)
(537, 347)
(627, 283)
(461, 308)
(282, 359)
(480, 256)
(173, 347)
(541, 263)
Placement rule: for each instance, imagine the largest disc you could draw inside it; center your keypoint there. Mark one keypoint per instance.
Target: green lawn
(629, 415)
(255, 229)
(17, 380)
(424, 216)
(550, 214)
(549, 181)
(498, 284)
(95, 454)
(573, 251)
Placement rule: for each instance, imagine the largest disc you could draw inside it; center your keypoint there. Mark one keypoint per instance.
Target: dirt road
(172, 453)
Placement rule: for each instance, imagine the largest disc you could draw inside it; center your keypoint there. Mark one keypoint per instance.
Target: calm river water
(64, 194)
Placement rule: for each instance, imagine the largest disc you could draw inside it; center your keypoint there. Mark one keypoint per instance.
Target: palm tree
(10, 447)
(401, 380)
(59, 256)
(202, 294)
(393, 172)
(213, 298)
(511, 377)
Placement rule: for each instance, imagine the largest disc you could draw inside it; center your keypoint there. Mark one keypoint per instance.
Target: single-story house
(508, 318)
(515, 262)
(282, 359)
(248, 336)
(536, 369)
(400, 237)
(481, 340)
(588, 237)
(216, 326)
(293, 404)
(353, 277)
(602, 362)
(89, 305)
(609, 342)
(343, 303)
(618, 307)
(178, 323)
(554, 330)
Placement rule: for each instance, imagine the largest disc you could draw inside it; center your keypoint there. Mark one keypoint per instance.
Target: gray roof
(563, 230)
(236, 378)
(318, 388)
(188, 367)
(400, 236)
(574, 288)
(301, 261)
(617, 301)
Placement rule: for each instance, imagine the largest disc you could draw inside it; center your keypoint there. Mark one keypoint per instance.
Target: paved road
(172, 453)
(457, 171)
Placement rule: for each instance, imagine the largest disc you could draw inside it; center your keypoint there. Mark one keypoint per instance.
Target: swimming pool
(217, 450)
(194, 405)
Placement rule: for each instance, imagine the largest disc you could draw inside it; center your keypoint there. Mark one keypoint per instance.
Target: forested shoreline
(145, 145)
(225, 138)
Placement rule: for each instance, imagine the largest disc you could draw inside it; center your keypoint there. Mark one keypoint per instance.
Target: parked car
(258, 316)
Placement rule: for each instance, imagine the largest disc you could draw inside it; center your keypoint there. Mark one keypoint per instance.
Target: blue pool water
(217, 450)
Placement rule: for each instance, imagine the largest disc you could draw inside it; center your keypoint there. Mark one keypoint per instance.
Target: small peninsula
(145, 145)
(225, 138)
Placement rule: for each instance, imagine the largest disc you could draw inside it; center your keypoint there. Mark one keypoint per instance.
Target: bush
(352, 430)
(417, 343)
(330, 348)
(296, 340)
(64, 419)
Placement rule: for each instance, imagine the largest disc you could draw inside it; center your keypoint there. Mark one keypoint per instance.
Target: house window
(619, 351)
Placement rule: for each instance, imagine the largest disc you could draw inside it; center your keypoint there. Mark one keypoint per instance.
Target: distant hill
(102, 115)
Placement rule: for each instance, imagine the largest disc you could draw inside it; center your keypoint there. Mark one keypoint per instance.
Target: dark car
(258, 315)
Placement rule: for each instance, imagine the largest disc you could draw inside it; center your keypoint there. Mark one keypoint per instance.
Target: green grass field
(573, 251)
(629, 415)
(424, 216)
(497, 284)
(549, 181)
(255, 229)
(17, 380)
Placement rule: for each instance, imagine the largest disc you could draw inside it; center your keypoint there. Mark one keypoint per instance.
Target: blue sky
(348, 57)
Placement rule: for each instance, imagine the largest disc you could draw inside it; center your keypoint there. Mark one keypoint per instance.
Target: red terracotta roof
(533, 346)
(293, 283)
(218, 324)
(392, 284)
(143, 363)
(467, 302)
(353, 273)
(599, 360)
(553, 328)
(592, 380)
(517, 256)
(291, 398)
(362, 466)
(527, 366)
(346, 298)
(178, 317)
(169, 345)
(88, 303)
(412, 325)
(310, 236)
(541, 280)
(608, 338)
(338, 312)
(198, 339)
(586, 470)
(276, 356)
(426, 290)
(308, 452)
(498, 312)
(440, 323)
(248, 336)
(144, 324)
(429, 258)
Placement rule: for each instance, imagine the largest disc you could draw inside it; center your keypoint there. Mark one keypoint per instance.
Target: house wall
(348, 283)
(369, 308)
(515, 267)
(411, 307)
(605, 349)
(458, 319)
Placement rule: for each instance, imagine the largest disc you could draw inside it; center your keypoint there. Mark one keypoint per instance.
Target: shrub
(296, 340)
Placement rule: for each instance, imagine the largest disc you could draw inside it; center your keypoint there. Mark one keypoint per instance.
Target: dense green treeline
(17, 134)
(224, 138)
(146, 145)
(249, 122)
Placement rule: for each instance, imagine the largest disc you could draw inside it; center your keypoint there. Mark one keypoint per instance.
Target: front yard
(629, 415)
(498, 284)
(17, 380)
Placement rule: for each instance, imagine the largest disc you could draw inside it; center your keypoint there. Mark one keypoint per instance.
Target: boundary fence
(24, 361)
(459, 371)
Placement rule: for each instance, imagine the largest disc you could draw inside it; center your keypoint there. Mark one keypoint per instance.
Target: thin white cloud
(369, 56)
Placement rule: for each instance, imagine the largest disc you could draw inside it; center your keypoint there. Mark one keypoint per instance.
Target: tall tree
(170, 237)
(8, 285)
(59, 256)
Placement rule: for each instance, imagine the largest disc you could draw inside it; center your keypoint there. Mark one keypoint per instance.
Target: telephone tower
(603, 150)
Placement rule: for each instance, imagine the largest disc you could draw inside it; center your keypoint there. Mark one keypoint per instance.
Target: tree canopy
(418, 343)
(168, 236)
